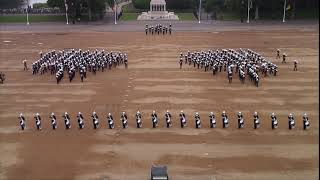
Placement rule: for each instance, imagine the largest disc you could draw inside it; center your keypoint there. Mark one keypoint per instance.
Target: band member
(295, 64)
(25, 67)
(278, 53)
(284, 58)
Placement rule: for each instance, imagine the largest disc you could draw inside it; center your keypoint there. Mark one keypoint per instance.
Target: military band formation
(110, 121)
(76, 61)
(158, 29)
(245, 62)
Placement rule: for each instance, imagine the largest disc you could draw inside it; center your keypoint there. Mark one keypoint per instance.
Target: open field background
(154, 81)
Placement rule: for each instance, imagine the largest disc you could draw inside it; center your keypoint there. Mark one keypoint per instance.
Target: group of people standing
(168, 120)
(76, 61)
(244, 62)
(158, 29)
(284, 60)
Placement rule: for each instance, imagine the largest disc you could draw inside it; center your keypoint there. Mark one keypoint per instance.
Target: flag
(288, 7)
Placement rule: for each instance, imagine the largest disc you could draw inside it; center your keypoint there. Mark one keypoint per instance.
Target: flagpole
(27, 17)
(115, 12)
(28, 12)
(248, 12)
(199, 11)
(66, 6)
(284, 11)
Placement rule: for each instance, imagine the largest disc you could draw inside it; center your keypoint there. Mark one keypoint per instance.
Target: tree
(89, 10)
(97, 8)
(8, 4)
(257, 5)
(271, 9)
(214, 5)
(232, 5)
(181, 4)
(110, 2)
(293, 9)
(94, 8)
(56, 3)
(141, 4)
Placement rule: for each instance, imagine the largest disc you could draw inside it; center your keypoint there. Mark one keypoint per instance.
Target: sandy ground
(154, 81)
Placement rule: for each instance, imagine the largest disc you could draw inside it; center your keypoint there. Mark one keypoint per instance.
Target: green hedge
(129, 16)
(186, 16)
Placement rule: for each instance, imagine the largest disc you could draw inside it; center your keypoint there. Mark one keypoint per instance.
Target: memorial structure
(158, 11)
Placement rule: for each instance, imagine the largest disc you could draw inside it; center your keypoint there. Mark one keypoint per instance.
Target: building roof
(157, 2)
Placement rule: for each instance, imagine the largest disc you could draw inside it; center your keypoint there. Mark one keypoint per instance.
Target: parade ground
(154, 81)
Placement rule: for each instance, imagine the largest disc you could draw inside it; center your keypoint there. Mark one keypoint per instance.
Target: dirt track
(154, 81)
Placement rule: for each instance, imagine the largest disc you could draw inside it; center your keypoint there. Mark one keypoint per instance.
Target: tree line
(92, 9)
(269, 9)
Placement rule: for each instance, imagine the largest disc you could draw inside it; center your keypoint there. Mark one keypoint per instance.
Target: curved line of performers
(72, 61)
(168, 120)
(158, 29)
(244, 62)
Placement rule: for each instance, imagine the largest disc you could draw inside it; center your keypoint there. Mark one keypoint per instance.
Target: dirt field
(154, 81)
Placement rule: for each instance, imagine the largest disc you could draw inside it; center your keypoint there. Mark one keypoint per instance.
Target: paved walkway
(138, 26)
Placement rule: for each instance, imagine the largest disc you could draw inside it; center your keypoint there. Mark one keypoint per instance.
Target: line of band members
(158, 29)
(168, 120)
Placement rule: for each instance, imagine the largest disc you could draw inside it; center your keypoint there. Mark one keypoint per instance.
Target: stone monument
(158, 11)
